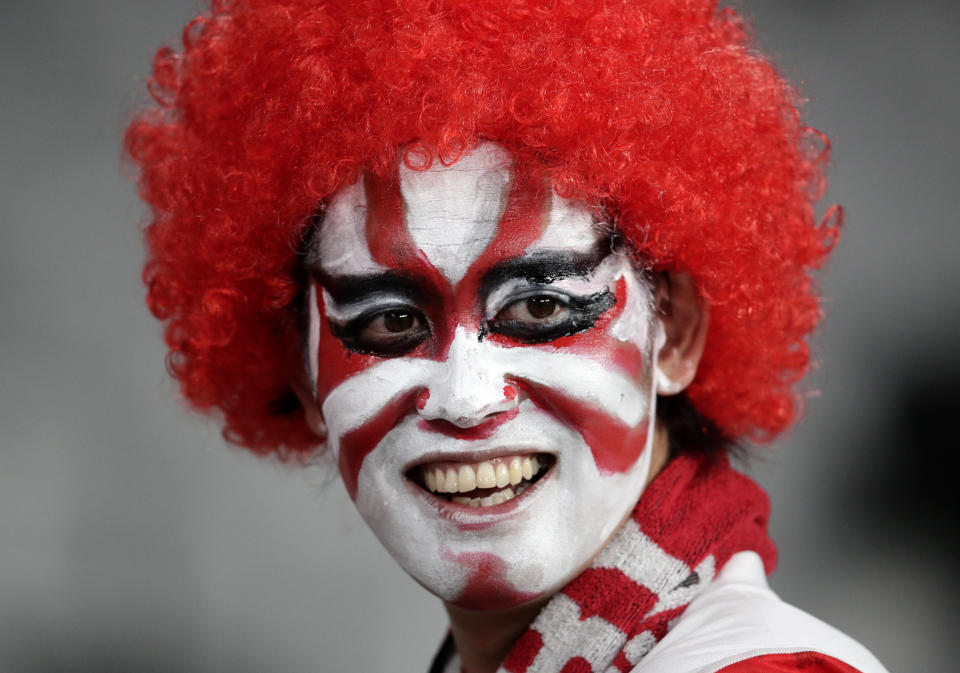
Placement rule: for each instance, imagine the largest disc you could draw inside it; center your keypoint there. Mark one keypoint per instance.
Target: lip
(466, 517)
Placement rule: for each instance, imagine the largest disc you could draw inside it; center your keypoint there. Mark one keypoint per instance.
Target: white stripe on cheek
(359, 398)
(452, 212)
(581, 377)
(341, 248)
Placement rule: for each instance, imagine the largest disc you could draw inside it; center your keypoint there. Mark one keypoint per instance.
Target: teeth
(485, 476)
(503, 474)
(497, 498)
(450, 485)
(516, 471)
(466, 479)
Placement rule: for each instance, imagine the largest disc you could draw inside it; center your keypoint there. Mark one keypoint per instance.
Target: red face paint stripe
(422, 399)
(335, 363)
(392, 246)
(523, 221)
(387, 236)
(487, 586)
(521, 225)
(615, 445)
(358, 443)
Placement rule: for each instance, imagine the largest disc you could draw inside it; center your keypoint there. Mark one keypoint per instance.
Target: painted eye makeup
(385, 333)
(544, 316)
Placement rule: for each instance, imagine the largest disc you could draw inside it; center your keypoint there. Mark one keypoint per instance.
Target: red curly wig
(660, 110)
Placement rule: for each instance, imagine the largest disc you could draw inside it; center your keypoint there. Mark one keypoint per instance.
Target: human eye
(537, 309)
(388, 332)
(544, 316)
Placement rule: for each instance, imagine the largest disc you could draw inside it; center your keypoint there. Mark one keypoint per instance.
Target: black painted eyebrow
(542, 268)
(351, 289)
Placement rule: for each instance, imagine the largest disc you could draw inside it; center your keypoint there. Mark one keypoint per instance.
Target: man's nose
(470, 388)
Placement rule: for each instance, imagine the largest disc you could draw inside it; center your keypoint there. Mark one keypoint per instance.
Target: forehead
(451, 215)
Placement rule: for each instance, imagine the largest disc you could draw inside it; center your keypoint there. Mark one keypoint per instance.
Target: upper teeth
(465, 477)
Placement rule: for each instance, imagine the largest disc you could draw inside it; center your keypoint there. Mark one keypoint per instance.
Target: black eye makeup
(532, 308)
(386, 332)
(542, 315)
(534, 299)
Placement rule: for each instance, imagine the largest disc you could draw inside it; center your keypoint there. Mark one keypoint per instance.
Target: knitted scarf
(692, 518)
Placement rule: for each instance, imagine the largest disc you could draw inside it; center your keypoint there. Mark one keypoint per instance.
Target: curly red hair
(660, 110)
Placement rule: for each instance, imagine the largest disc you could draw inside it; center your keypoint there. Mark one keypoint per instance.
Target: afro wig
(660, 111)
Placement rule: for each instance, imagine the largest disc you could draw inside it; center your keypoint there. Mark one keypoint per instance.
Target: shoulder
(739, 625)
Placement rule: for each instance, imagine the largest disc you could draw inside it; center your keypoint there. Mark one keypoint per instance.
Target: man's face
(483, 364)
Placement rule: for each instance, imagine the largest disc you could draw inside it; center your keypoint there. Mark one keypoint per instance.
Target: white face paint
(484, 366)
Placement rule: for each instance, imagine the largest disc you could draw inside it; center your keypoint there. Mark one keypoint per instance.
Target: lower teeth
(490, 500)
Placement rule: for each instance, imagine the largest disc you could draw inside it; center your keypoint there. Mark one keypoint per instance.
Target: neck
(484, 638)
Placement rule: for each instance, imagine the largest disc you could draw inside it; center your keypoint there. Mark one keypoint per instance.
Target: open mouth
(485, 483)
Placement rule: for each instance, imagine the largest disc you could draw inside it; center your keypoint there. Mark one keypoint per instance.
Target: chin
(494, 545)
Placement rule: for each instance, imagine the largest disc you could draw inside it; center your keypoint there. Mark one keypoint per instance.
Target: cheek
(358, 443)
(615, 444)
(601, 344)
(354, 438)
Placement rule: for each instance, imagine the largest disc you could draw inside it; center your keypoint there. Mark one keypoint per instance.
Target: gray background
(133, 539)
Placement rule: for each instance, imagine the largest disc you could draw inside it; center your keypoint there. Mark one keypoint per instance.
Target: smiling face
(484, 367)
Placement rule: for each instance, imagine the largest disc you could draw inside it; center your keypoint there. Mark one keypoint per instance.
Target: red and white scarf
(695, 515)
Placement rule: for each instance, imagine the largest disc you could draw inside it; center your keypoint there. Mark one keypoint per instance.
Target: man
(514, 266)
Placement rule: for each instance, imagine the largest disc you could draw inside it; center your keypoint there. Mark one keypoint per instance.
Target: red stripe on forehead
(387, 235)
(520, 226)
(392, 246)
(522, 223)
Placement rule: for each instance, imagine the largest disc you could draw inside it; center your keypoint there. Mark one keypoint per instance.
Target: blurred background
(133, 539)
